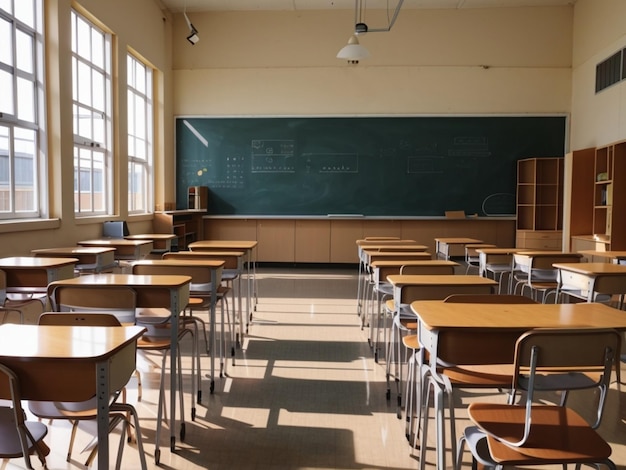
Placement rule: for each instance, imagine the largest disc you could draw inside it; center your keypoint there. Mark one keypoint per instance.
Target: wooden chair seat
(558, 435)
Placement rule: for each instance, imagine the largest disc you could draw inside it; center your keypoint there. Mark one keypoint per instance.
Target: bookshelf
(599, 198)
(185, 224)
(539, 203)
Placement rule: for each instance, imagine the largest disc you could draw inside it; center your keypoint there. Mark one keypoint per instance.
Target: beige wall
(482, 61)
(599, 32)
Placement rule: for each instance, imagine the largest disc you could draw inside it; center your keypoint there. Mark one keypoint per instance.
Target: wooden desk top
(458, 241)
(394, 241)
(546, 253)
(203, 263)
(114, 242)
(498, 251)
(71, 250)
(207, 254)
(396, 247)
(386, 263)
(223, 244)
(435, 315)
(593, 268)
(395, 254)
(605, 254)
(151, 236)
(399, 280)
(30, 262)
(64, 342)
(130, 280)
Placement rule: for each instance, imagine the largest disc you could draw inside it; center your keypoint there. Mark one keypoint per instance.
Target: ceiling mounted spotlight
(193, 32)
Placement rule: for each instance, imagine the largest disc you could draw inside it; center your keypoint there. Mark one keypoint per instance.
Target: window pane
(84, 83)
(6, 85)
(5, 171)
(25, 169)
(83, 39)
(6, 6)
(25, 100)
(97, 49)
(6, 38)
(98, 91)
(25, 48)
(25, 11)
(84, 123)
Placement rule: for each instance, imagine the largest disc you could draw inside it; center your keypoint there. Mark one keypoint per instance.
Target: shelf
(539, 195)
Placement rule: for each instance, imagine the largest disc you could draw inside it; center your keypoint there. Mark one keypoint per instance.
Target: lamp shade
(353, 51)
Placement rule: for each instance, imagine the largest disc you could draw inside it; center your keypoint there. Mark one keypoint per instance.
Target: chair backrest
(563, 360)
(118, 301)
(230, 261)
(199, 274)
(411, 293)
(28, 442)
(78, 319)
(426, 269)
(489, 299)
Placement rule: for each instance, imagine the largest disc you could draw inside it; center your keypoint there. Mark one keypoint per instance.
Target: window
(140, 132)
(22, 183)
(91, 94)
(610, 71)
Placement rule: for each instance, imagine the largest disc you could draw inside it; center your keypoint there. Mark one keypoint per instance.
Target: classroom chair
(531, 434)
(481, 361)
(87, 411)
(19, 437)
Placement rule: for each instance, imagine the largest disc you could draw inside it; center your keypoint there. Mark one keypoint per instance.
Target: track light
(193, 32)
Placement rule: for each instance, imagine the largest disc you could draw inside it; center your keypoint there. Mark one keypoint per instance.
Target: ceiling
(290, 5)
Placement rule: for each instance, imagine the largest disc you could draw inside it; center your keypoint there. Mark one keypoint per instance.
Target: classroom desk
(435, 316)
(233, 270)
(497, 261)
(124, 249)
(371, 256)
(448, 247)
(236, 245)
(542, 260)
(161, 242)
(61, 363)
(381, 269)
(617, 257)
(586, 280)
(179, 267)
(28, 275)
(91, 259)
(374, 244)
(171, 292)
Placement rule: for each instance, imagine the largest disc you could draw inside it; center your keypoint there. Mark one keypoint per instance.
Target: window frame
(94, 145)
(135, 96)
(27, 196)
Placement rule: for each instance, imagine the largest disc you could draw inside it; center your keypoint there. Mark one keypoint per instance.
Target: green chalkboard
(371, 166)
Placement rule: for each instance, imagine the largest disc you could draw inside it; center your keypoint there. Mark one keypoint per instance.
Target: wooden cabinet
(186, 225)
(539, 203)
(609, 196)
(598, 198)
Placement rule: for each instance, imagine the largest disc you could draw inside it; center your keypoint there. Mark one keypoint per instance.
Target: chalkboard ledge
(350, 217)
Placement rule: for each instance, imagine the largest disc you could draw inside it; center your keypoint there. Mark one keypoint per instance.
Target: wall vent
(610, 71)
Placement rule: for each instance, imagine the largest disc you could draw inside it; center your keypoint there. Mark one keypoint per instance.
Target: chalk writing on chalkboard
(273, 156)
(331, 162)
(375, 166)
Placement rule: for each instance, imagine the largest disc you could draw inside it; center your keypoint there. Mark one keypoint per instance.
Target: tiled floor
(305, 393)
